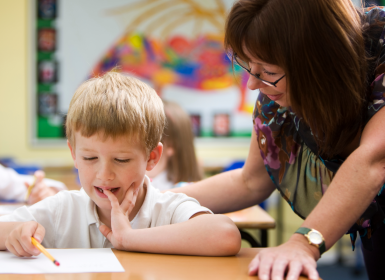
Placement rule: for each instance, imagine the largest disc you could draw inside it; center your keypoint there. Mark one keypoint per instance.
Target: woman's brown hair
(182, 166)
(320, 46)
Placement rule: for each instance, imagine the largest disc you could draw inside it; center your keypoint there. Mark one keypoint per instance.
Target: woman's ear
(72, 153)
(154, 157)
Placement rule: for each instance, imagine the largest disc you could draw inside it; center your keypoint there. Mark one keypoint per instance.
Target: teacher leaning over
(319, 130)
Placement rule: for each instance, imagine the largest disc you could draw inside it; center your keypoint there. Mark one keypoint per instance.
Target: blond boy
(114, 125)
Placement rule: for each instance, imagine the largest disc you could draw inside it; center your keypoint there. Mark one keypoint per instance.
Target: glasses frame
(257, 76)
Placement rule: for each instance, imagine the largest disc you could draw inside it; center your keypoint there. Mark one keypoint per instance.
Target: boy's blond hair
(116, 105)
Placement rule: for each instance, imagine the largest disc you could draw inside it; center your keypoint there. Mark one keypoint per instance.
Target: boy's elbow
(229, 240)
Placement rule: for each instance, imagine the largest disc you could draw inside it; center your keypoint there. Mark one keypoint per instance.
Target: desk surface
(155, 266)
(253, 217)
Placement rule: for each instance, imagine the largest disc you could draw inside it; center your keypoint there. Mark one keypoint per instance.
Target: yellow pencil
(44, 251)
(30, 188)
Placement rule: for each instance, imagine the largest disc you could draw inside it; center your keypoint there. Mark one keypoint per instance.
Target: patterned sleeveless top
(287, 144)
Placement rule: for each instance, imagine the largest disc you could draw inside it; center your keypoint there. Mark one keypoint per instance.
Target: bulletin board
(176, 46)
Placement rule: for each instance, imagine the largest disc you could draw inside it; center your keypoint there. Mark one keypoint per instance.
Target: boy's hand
(120, 223)
(40, 190)
(19, 242)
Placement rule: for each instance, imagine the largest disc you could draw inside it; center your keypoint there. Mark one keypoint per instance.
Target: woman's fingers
(279, 268)
(311, 271)
(295, 269)
(265, 266)
(253, 266)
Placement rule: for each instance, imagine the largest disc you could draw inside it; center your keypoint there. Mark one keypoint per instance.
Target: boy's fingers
(39, 233)
(106, 231)
(12, 249)
(26, 185)
(33, 229)
(129, 200)
(20, 249)
(114, 201)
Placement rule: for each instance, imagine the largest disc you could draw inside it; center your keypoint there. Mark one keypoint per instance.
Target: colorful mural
(154, 50)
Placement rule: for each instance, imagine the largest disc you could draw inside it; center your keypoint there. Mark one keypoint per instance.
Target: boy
(114, 125)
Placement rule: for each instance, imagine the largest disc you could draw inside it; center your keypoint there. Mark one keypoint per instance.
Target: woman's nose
(253, 83)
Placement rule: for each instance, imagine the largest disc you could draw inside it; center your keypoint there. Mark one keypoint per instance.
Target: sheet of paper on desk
(71, 261)
(8, 209)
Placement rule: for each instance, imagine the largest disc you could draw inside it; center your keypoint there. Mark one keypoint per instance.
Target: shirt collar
(91, 213)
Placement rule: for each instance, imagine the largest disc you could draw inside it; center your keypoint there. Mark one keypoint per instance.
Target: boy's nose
(105, 173)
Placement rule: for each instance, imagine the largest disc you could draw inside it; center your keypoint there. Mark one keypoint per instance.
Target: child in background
(178, 162)
(14, 186)
(114, 125)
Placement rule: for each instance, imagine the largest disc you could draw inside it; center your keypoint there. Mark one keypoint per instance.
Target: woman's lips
(100, 193)
(274, 97)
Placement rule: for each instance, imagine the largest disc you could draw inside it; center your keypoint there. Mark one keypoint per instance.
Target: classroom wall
(15, 93)
(14, 109)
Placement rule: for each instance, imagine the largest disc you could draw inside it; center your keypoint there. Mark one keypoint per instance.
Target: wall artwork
(176, 46)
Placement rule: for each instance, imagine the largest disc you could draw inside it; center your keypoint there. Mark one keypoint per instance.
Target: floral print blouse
(300, 175)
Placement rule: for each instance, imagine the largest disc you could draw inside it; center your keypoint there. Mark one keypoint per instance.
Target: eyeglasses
(246, 67)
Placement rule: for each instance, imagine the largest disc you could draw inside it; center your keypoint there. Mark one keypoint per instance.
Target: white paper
(71, 261)
(8, 209)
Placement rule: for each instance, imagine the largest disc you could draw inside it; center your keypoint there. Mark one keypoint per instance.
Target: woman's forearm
(228, 191)
(353, 188)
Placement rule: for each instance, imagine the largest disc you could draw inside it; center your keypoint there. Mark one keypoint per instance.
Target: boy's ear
(154, 157)
(72, 153)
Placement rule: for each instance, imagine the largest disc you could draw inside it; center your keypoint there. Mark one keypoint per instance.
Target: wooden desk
(169, 267)
(253, 218)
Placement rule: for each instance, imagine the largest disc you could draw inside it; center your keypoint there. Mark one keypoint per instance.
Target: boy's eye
(122, 160)
(89, 158)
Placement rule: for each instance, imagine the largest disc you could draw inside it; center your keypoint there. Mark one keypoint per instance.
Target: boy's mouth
(111, 190)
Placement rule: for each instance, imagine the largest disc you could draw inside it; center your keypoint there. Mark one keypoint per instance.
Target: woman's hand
(120, 223)
(40, 190)
(295, 257)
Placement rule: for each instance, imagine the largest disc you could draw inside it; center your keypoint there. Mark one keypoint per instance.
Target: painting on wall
(176, 46)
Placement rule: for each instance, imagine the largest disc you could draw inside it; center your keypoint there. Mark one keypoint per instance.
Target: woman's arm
(353, 188)
(236, 189)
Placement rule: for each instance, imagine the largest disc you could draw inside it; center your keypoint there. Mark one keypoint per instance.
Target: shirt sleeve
(11, 185)
(46, 212)
(171, 208)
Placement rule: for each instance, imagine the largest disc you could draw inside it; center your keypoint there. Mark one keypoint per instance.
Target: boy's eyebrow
(91, 150)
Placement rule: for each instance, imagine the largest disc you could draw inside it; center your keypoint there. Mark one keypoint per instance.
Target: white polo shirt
(70, 218)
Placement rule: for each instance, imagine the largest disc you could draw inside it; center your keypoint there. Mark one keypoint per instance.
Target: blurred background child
(178, 162)
(14, 186)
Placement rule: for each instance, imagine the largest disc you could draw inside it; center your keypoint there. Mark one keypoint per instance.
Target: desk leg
(264, 238)
(247, 237)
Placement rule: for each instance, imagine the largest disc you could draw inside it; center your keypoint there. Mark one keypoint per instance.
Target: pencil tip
(56, 262)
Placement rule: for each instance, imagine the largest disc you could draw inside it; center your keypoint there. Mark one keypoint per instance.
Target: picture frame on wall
(221, 125)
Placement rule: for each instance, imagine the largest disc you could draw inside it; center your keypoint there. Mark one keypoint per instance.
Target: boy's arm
(208, 235)
(205, 235)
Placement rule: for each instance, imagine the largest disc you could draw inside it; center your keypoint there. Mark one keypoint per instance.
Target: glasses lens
(241, 63)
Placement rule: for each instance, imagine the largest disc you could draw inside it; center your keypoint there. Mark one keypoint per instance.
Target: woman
(318, 65)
